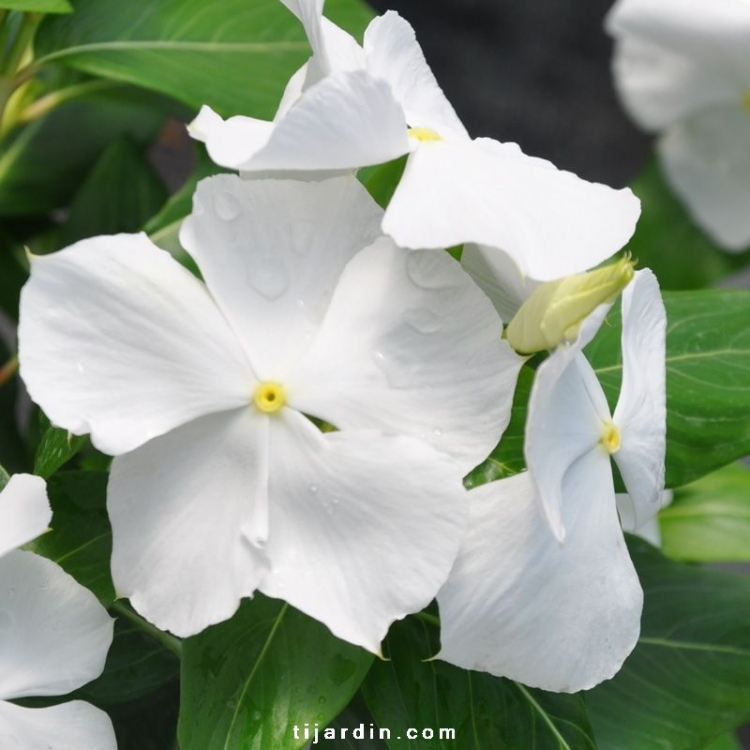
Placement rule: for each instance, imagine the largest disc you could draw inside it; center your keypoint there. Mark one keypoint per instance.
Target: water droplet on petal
(301, 234)
(437, 432)
(313, 488)
(270, 278)
(422, 321)
(227, 207)
(398, 375)
(428, 270)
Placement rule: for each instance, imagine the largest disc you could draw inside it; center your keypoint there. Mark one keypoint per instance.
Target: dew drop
(422, 321)
(301, 234)
(313, 488)
(437, 432)
(227, 207)
(270, 278)
(322, 699)
(397, 375)
(428, 270)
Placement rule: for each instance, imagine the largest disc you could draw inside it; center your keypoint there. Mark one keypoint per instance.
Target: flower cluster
(298, 420)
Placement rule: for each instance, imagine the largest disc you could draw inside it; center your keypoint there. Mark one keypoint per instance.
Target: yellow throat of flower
(270, 397)
(424, 134)
(610, 438)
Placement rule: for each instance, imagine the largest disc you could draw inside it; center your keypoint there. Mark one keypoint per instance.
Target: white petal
(348, 120)
(498, 277)
(641, 413)
(567, 410)
(518, 604)
(410, 345)
(394, 55)
(709, 31)
(364, 527)
(659, 86)
(119, 340)
(550, 222)
(24, 511)
(70, 726)
(54, 634)
(706, 160)
(650, 530)
(232, 142)
(273, 251)
(189, 515)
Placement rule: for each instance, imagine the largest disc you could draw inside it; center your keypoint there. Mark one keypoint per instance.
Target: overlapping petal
(641, 412)
(271, 253)
(550, 222)
(55, 634)
(364, 527)
(346, 121)
(706, 159)
(70, 726)
(410, 345)
(189, 514)
(119, 340)
(394, 55)
(24, 511)
(519, 604)
(567, 409)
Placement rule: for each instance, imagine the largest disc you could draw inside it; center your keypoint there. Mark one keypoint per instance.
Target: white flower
(225, 485)
(682, 68)
(354, 106)
(563, 613)
(54, 635)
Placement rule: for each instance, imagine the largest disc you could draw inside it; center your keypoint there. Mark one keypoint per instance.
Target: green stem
(165, 639)
(23, 41)
(54, 99)
(8, 370)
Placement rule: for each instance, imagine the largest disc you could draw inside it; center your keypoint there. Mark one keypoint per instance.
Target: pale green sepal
(555, 310)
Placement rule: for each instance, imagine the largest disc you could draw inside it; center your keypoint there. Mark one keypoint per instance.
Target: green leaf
(234, 55)
(42, 164)
(38, 6)
(725, 742)
(507, 459)
(709, 520)
(686, 682)
(55, 449)
(708, 365)
(667, 241)
(81, 538)
(120, 194)
(136, 667)
(485, 711)
(381, 181)
(247, 682)
(4, 478)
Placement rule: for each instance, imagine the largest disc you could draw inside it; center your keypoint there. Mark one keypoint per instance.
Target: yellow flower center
(424, 134)
(270, 397)
(746, 101)
(610, 438)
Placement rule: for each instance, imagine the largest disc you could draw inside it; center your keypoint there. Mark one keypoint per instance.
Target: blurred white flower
(561, 612)
(54, 635)
(682, 68)
(353, 106)
(226, 486)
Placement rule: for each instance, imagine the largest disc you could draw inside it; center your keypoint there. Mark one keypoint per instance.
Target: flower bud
(555, 310)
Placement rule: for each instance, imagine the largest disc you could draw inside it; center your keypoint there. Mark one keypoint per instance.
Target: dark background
(536, 73)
